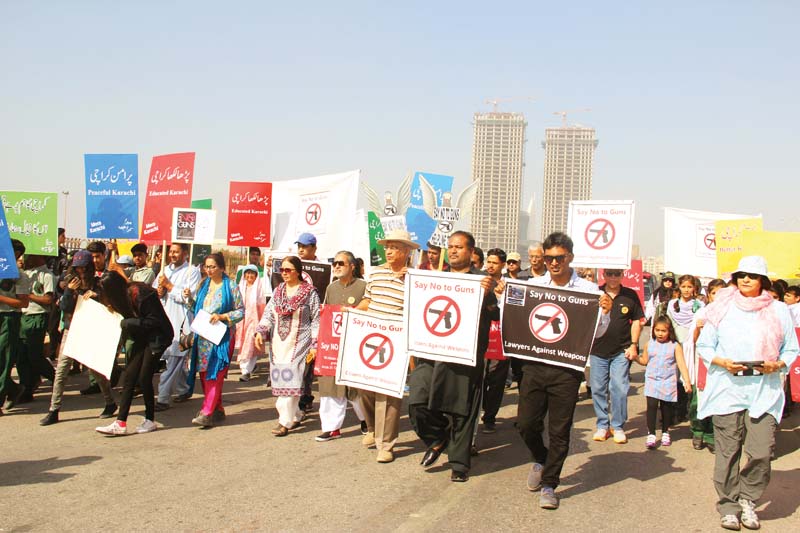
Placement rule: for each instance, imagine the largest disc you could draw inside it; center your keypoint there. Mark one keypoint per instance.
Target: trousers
(140, 369)
(382, 414)
(173, 379)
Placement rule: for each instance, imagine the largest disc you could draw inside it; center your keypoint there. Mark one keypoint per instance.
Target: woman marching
(219, 296)
(747, 342)
(147, 332)
(252, 290)
(291, 322)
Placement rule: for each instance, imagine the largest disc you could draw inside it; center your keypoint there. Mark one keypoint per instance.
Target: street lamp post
(66, 197)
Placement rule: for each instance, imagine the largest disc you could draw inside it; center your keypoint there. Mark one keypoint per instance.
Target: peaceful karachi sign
(112, 196)
(169, 186)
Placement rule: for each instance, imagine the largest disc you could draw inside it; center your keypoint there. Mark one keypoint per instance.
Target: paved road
(238, 477)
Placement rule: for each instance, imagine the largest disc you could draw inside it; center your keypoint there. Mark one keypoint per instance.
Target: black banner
(549, 324)
(317, 273)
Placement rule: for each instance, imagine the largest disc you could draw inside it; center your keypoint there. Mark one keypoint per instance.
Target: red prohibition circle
(449, 303)
(314, 210)
(382, 341)
(556, 313)
(710, 243)
(605, 226)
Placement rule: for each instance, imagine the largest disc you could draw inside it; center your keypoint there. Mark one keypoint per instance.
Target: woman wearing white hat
(748, 341)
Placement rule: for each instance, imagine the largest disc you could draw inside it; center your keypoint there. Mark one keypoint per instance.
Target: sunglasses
(557, 258)
(742, 275)
(512, 261)
(287, 270)
(339, 263)
(612, 274)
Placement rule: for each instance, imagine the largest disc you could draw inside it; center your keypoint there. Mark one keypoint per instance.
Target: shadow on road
(32, 472)
(607, 469)
(781, 495)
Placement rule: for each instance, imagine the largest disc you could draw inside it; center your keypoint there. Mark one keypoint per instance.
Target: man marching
(444, 400)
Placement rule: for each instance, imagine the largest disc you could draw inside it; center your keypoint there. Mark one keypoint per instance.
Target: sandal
(282, 432)
(277, 429)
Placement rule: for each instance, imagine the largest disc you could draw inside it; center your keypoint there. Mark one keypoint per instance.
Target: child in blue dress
(661, 356)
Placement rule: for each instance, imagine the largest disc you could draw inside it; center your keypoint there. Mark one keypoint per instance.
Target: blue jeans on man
(610, 379)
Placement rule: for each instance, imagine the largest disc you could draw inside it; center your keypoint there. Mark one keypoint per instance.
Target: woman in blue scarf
(219, 296)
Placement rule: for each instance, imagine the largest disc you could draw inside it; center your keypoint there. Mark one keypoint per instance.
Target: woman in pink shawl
(252, 290)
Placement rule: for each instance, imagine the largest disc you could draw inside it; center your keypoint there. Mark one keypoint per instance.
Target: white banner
(602, 233)
(93, 336)
(325, 206)
(193, 225)
(372, 354)
(690, 243)
(441, 315)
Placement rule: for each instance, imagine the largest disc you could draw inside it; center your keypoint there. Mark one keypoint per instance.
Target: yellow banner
(729, 242)
(124, 246)
(780, 249)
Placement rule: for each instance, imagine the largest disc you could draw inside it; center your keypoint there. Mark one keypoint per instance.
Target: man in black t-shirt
(611, 359)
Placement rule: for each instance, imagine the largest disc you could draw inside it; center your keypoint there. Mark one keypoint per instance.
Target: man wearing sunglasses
(611, 358)
(548, 389)
(513, 265)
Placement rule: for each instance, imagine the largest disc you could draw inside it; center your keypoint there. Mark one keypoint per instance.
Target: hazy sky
(696, 104)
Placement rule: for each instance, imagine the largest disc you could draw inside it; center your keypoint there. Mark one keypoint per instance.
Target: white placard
(202, 326)
(602, 233)
(93, 336)
(442, 314)
(372, 354)
(193, 225)
(690, 243)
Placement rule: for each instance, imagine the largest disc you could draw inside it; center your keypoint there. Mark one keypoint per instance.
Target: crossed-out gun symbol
(380, 349)
(602, 233)
(555, 323)
(447, 316)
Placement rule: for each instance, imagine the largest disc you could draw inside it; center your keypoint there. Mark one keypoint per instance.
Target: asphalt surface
(238, 477)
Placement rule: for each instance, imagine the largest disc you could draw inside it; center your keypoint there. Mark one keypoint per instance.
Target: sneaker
(51, 418)
(203, 421)
(601, 435)
(369, 439)
(730, 521)
(650, 443)
(548, 498)
(109, 410)
(535, 477)
(244, 378)
(749, 516)
(114, 429)
(489, 428)
(385, 456)
(363, 427)
(146, 426)
(328, 435)
(665, 439)
(620, 437)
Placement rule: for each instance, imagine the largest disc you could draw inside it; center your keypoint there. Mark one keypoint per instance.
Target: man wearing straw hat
(384, 297)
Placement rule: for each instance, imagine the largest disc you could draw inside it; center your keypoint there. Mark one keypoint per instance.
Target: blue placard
(419, 224)
(112, 196)
(8, 263)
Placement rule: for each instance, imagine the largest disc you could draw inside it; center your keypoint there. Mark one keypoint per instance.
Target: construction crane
(495, 101)
(564, 114)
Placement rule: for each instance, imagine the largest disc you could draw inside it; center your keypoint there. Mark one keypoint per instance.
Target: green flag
(376, 253)
(32, 217)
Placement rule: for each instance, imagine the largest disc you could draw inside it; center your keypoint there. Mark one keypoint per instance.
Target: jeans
(610, 377)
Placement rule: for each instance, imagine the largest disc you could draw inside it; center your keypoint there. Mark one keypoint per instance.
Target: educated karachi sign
(169, 186)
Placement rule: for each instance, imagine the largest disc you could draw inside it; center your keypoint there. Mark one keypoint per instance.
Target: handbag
(185, 340)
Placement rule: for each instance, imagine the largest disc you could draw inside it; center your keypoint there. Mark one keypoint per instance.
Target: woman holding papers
(292, 313)
(747, 343)
(219, 298)
(147, 332)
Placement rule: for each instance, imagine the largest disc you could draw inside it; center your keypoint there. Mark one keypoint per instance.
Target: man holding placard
(549, 388)
(384, 297)
(444, 399)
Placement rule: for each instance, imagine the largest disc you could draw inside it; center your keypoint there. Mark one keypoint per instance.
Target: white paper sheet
(93, 336)
(203, 327)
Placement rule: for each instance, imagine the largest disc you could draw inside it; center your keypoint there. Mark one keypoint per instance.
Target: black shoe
(458, 477)
(697, 443)
(489, 428)
(473, 451)
(137, 391)
(51, 418)
(91, 389)
(161, 407)
(182, 398)
(12, 401)
(109, 411)
(364, 427)
(432, 454)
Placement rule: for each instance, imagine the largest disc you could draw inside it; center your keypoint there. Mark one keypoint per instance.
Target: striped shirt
(386, 293)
